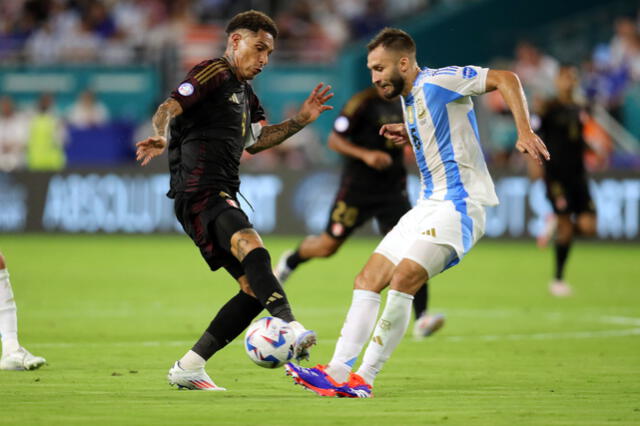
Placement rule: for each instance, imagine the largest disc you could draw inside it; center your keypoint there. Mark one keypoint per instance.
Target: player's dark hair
(254, 21)
(393, 39)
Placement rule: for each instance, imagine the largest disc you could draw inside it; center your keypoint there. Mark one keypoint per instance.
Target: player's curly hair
(393, 39)
(252, 20)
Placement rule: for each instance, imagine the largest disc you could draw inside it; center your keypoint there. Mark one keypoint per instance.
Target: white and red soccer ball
(269, 342)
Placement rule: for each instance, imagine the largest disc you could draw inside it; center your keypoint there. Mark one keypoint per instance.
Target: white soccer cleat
(426, 325)
(282, 270)
(560, 288)
(21, 359)
(196, 379)
(304, 340)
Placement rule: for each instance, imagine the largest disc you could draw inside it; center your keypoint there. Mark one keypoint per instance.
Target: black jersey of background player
(208, 138)
(359, 122)
(561, 130)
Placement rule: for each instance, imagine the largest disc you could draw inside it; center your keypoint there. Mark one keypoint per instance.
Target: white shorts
(435, 234)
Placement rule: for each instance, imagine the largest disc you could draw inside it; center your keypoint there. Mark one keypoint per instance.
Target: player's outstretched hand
(396, 132)
(530, 143)
(314, 105)
(378, 160)
(149, 148)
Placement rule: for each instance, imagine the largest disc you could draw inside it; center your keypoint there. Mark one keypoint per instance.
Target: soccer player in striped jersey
(214, 116)
(373, 185)
(449, 217)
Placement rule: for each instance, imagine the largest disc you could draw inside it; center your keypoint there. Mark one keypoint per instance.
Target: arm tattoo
(274, 135)
(166, 111)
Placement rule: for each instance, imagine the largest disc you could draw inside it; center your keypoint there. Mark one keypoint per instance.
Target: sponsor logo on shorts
(430, 232)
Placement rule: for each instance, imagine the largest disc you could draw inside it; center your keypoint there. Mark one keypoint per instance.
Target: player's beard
(397, 82)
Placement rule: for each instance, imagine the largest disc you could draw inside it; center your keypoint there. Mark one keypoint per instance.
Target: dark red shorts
(210, 219)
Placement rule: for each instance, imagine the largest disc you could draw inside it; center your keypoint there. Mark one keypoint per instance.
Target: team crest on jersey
(186, 89)
(234, 99)
(422, 111)
(410, 114)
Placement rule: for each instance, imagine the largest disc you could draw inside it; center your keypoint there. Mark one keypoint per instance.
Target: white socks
(192, 361)
(388, 333)
(355, 332)
(8, 315)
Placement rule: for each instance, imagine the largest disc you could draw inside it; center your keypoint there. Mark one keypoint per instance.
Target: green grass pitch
(112, 313)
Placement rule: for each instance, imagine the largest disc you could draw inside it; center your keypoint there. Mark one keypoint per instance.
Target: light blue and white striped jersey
(443, 130)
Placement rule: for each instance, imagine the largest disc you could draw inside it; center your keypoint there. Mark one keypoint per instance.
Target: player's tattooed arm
(311, 109)
(156, 144)
(275, 134)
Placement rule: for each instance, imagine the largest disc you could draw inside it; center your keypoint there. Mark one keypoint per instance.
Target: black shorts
(351, 209)
(210, 218)
(569, 197)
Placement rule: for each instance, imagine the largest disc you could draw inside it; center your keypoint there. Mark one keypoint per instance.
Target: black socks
(228, 323)
(561, 252)
(294, 260)
(257, 267)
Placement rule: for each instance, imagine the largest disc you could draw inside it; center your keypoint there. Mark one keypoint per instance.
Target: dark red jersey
(208, 138)
(359, 122)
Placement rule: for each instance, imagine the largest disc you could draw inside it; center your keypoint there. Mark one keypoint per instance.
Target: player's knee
(408, 278)
(365, 281)
(3, 265)
(587, 225)
(564, 233)
(244, 242)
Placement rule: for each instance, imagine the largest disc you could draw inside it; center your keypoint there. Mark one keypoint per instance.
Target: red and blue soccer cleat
(317, 380)
(314, 379)
(356, 388)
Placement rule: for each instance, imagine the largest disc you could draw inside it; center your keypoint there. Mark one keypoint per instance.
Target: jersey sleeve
(350, 115)
(466, 81)
(203, 80)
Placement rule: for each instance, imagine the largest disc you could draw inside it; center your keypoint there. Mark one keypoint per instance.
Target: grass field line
(595, 334)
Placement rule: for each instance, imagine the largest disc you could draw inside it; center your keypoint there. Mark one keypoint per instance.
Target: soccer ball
(269, 342)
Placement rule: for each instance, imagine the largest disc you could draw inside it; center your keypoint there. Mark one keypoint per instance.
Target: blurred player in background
(214, 116)
(373, 185)
(14, 356)
(565, 175)
(449, 217)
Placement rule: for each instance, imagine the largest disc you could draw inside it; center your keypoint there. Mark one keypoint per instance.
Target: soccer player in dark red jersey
(373, 185)
(214, 116)
(565, 174)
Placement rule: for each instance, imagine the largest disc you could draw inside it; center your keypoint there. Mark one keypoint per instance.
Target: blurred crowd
(34, 138)
(122, 31)
(609, 82)
(53, 32)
